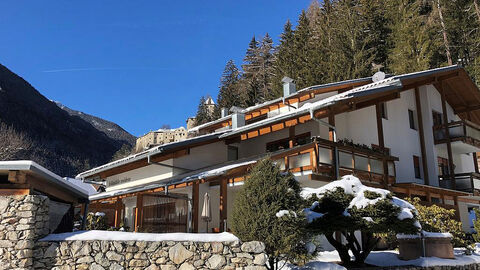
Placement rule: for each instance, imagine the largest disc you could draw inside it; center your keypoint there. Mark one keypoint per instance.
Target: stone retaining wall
(23, 220)
(116, 255)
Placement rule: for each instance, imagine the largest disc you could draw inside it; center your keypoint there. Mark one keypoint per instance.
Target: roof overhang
(30, 167)
(156, 154)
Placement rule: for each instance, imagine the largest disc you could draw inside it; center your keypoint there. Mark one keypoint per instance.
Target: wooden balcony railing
(467, 182)
(318, 156)
(459, 131)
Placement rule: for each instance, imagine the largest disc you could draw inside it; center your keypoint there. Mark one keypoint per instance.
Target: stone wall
(116, 255)
(23, 220)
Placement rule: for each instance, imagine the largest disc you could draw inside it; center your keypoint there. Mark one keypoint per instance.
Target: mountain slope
(32, 127)
(111, 129)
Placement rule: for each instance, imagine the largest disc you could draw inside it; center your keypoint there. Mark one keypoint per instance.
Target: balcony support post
(447, 134)
(421, 134)
(195, 205)
(332, 136)
(381, 142)
(223, 204)
(475, 161)
(138, 212)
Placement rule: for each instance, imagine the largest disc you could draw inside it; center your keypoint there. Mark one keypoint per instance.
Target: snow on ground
(390, 258)
(129, 236)
(316, 265)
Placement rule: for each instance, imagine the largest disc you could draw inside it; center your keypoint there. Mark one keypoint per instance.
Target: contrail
(96, 69)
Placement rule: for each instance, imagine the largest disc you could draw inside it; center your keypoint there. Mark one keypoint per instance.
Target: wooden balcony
(317, 157)
(466, 182)
(464, 135)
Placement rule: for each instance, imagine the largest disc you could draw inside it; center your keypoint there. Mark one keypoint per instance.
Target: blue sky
(140, 64)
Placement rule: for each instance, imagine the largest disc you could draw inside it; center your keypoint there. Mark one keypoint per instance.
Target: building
(210, 107)
(25, 177)
(159, 137)
(414, 134)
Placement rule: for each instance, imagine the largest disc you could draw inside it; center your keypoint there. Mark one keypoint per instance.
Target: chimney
(224, 111)
(238, 120)
(288, 86)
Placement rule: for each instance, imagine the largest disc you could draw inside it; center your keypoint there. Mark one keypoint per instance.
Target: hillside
(111, 129)
(33, 127)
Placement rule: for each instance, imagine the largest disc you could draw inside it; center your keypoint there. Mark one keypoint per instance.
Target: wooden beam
(195, 205)
(223, 204)
(447, 135)
(138, 212)
(331, 121)
(291, 136)
(421, 135)
(10, 192)
(381, 141)
(475, 161)
(17, 177)
(118, 212)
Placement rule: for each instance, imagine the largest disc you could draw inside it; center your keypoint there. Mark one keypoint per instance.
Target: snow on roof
(135, 236)
(178, 179)
(376, 87)
(266, 103)
(29, 165)
(151, 151)
(217, 171)
(89, 188)
(353, 186)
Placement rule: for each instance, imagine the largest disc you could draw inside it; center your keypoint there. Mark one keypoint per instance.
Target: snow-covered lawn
(327, 259)
(128, 236)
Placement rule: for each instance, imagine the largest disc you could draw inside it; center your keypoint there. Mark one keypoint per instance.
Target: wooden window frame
(411, 119)
(416, 167)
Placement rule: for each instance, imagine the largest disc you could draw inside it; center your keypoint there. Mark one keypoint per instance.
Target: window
(443, 168)
(232, 153)
(285, 143)
(437, 118)
(416, 167)
(411, 119)
(383, 110)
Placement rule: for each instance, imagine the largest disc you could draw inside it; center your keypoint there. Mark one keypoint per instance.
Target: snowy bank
(131, 236)
(424, 234)
(389, 258)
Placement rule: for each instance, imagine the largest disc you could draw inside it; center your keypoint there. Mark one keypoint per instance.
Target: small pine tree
(438, 219)
(254, 218)
(203, 114)
(347, 206)
(96, 221)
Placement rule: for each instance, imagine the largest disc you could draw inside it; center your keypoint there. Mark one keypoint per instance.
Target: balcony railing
(459, 131)
(317, 156)
(467, 182)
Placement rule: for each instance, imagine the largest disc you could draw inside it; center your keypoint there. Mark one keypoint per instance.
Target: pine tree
(203, 115)
(347, 206)
(229, 93)
(414, 46)
(284, 60)
(303, 74)
(250, 80)
(257, 213)
(266, 71)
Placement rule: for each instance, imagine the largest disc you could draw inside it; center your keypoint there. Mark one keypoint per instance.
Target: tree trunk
(341, 249)
(271, 263)
(444, 32)
(477, 9)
